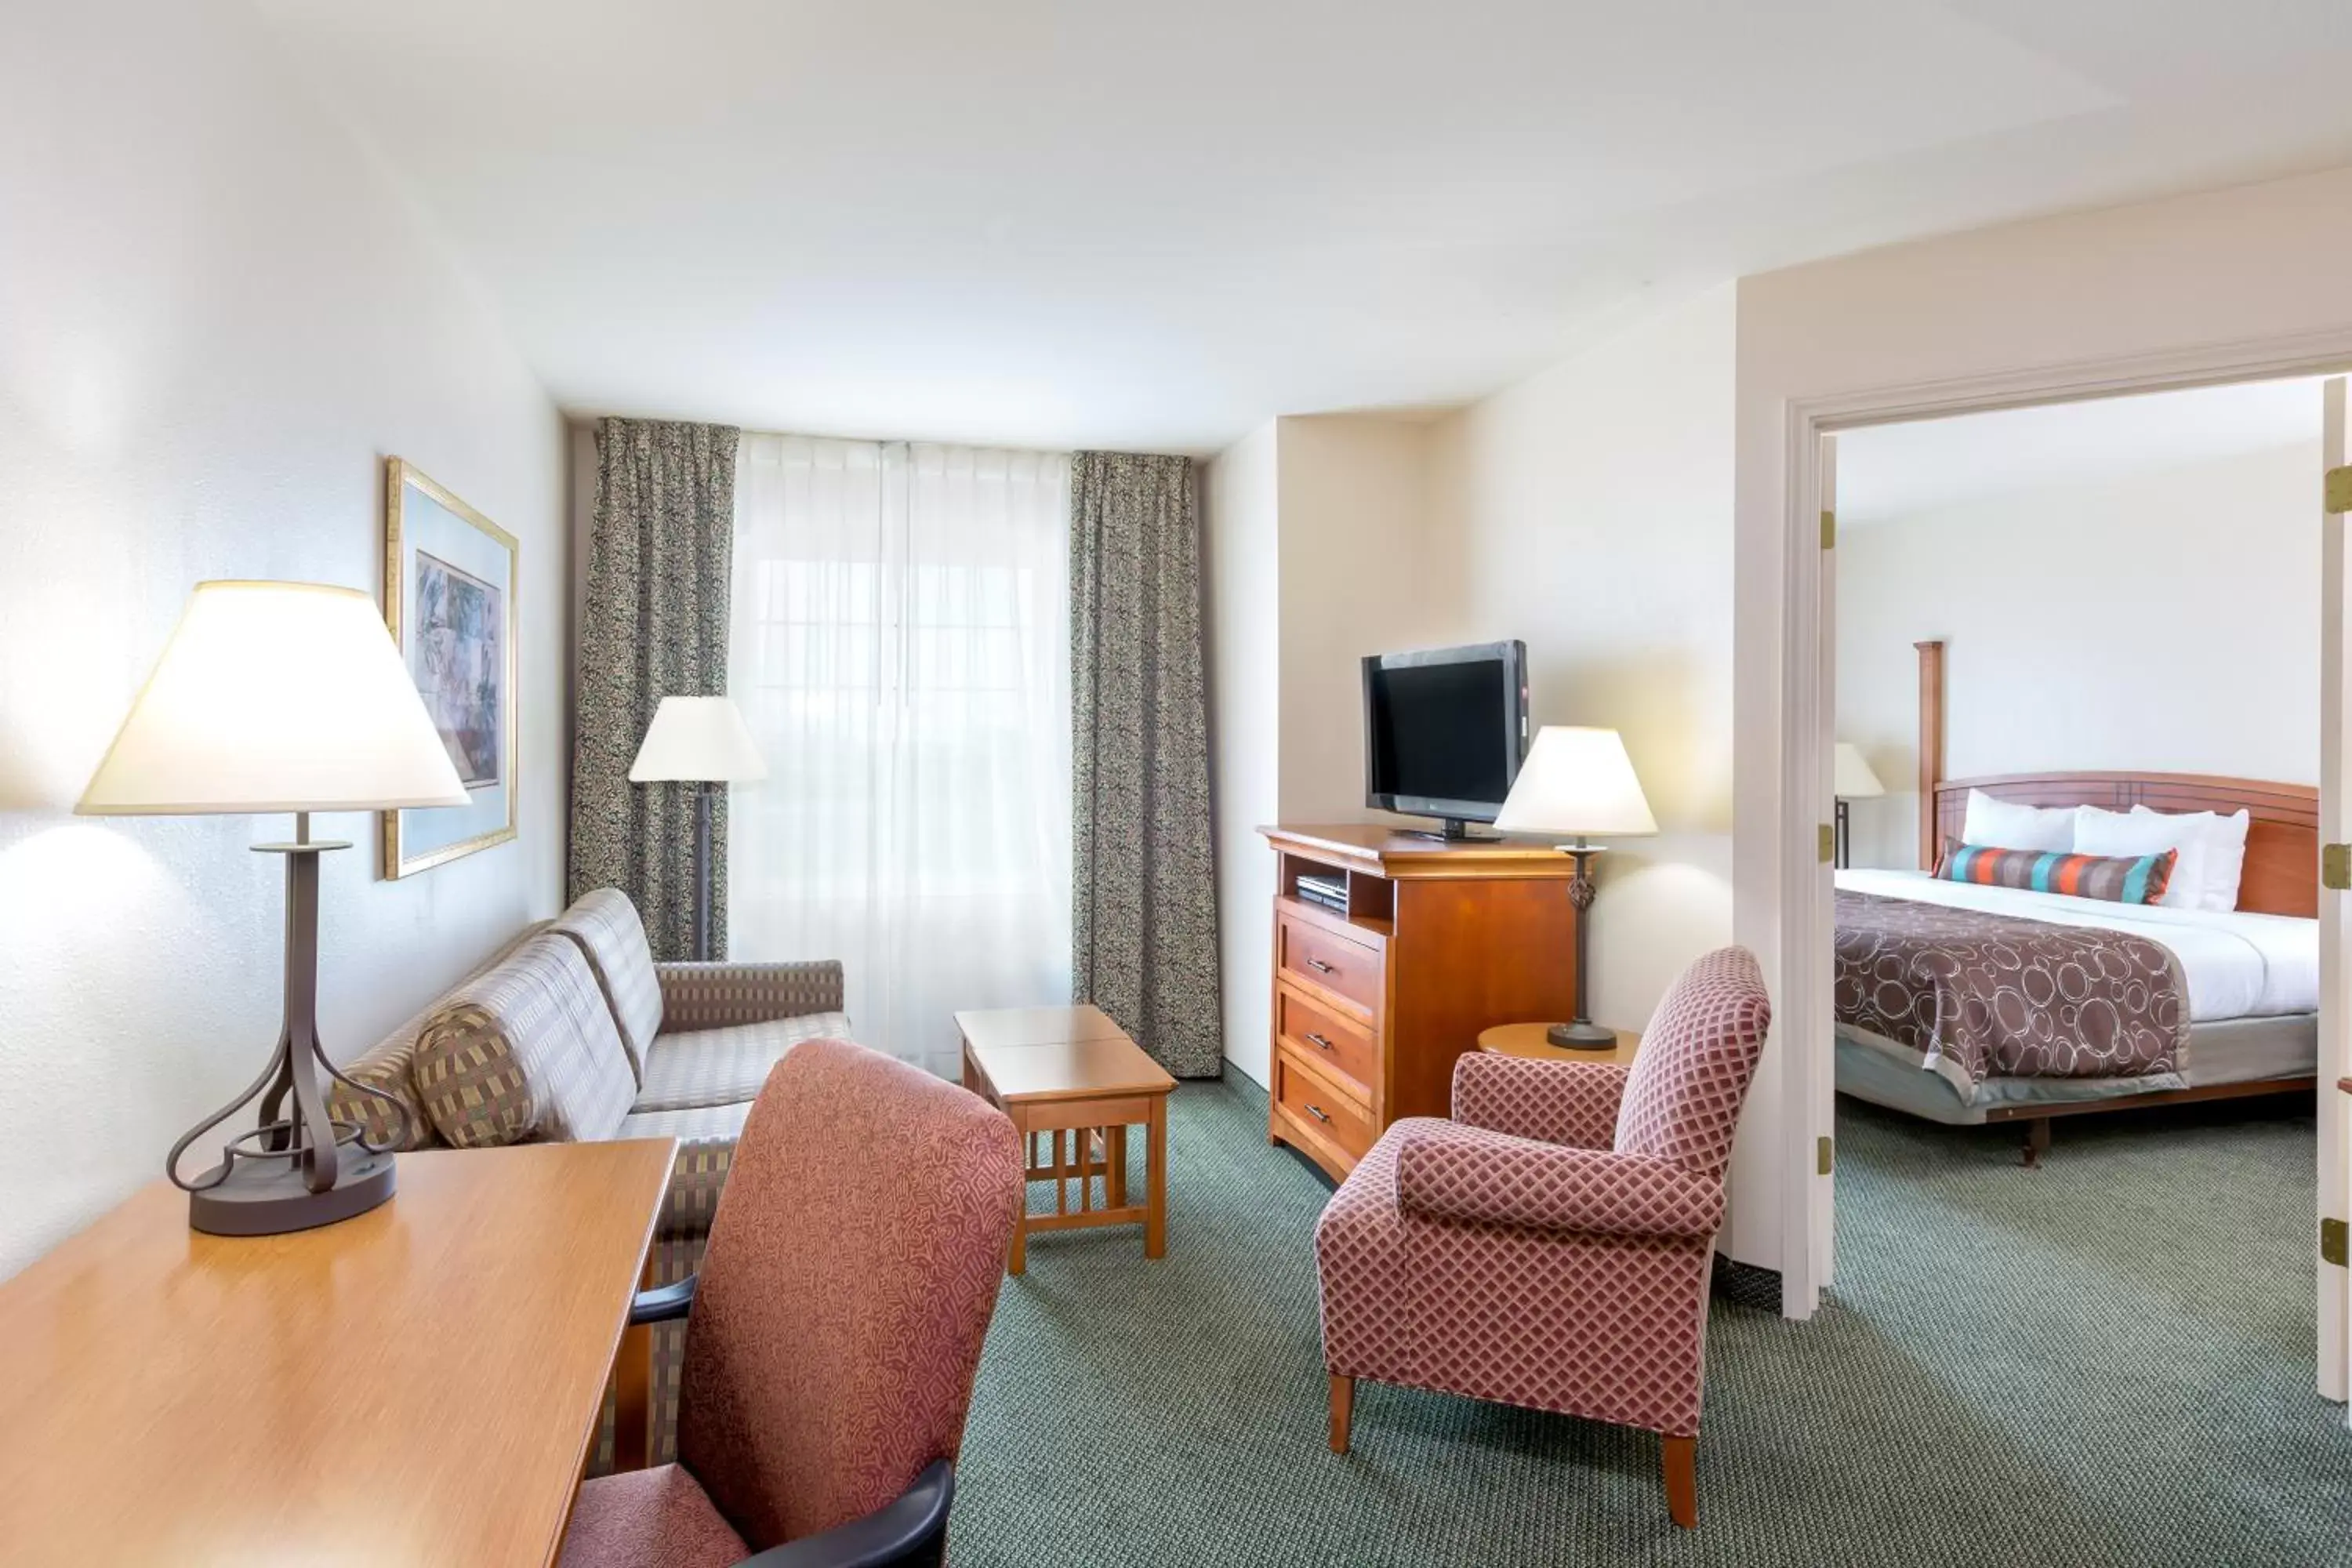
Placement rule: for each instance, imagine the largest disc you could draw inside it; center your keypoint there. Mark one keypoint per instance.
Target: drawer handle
(1314, 1040)
(1320, 967)
(1317, 1112)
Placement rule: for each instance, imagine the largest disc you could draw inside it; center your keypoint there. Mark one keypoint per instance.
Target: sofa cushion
(722, 1067)
(705, 1149)
(525, 1052)
(605, 925)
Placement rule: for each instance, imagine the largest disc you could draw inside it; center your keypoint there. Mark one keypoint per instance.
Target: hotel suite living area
(1493, 784)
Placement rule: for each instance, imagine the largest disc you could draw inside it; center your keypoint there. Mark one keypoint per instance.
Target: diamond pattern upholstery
(1473, 1259)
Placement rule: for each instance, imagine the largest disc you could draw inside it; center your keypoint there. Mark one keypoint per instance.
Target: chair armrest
(1574, 1103)
(892, 1533)
(1480, 1178)
(663, 1303)
(715, 996)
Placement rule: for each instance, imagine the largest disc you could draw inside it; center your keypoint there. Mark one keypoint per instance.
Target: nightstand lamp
(281, 696)
(1851, 780)
(1578, 782)
(702, 741)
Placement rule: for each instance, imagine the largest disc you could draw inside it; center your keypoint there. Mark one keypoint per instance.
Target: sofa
(573, 1032)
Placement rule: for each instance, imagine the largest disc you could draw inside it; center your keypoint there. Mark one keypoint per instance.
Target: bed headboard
(2282, 874)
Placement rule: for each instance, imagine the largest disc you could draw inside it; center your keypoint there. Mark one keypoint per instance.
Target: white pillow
(2003, 824)
(2225, 839)
(2098, 832)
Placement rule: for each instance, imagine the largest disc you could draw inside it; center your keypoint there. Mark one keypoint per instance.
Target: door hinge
(2339, 489)
(1826, 847)
(2331, 1242)
(1825, 1157)
(1829, 524)
(2336, 867)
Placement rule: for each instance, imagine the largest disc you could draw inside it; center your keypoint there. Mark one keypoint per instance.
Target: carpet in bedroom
(2104, 1361)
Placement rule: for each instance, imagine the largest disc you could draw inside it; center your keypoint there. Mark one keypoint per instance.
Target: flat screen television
(1444, 730)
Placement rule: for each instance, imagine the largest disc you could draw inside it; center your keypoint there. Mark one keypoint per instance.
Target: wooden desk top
(1385, 851)
(999, 1027)
(420, 1384)
(1528, 1040)
(1069, 1070)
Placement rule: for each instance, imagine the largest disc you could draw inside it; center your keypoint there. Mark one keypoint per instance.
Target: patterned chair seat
(725, 1067)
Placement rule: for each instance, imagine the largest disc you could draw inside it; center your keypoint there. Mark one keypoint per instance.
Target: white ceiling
(1889, 472)
(1098, 222)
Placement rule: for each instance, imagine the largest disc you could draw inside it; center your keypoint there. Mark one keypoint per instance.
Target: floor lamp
(702, 741)
(281, 696)
(1579, 781)
(1853, 781)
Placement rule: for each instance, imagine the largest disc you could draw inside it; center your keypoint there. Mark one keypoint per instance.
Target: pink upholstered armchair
(1550, 1245)
(833, 1332)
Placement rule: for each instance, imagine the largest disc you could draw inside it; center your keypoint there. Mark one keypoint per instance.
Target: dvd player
(1330, 892)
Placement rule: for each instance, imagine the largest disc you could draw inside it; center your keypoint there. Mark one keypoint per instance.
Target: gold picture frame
(450, 577)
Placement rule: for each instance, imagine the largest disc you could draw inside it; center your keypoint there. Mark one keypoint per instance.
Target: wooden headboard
(2282, 873)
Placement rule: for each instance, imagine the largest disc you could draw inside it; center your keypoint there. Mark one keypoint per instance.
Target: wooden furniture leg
(1343, 1411)
(1155, 1220)
(1115, 1177)
(1679, 1457)
(2037, 1141)
(633, 1383)
(1019, 1261)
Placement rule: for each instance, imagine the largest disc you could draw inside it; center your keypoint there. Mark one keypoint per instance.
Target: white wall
(2168, 620)
(1590, 508)
(2159, 284)
(218, 318)
(1243, 571)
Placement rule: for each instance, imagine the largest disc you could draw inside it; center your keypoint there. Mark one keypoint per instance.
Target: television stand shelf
(1371, 1005)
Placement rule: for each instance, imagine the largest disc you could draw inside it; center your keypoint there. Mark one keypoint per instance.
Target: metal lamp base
(272, 1199)
(1585, 1036)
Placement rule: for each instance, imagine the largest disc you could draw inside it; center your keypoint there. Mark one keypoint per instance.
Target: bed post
(1931, 745)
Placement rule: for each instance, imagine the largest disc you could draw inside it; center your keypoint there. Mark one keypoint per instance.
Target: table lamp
(700, 741)
(281, 696)
(1577, 781)
(1851, 780)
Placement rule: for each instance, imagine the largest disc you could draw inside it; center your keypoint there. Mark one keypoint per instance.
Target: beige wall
(2165, 620)
(2224, 276)
(218, 318)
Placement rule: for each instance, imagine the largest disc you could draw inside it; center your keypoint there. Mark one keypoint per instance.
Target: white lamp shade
(697, 740)
(1853, 779)
(1579, 780)
(275, 697)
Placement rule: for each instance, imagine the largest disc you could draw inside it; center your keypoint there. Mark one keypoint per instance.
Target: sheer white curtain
(901, 648)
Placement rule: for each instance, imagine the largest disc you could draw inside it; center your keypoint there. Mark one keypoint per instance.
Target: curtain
(900, 639)
(654, 626)
(1144, 902)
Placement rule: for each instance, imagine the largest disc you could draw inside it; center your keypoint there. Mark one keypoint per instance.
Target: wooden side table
(1528, 1040)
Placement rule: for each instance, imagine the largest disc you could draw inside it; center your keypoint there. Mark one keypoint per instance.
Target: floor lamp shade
(702, 741)
(281, 696)
(1578, 782)
(1852, 778)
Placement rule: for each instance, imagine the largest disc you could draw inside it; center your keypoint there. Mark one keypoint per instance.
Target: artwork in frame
(449, 599)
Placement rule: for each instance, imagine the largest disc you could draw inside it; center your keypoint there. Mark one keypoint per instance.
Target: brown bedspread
(1996, 996)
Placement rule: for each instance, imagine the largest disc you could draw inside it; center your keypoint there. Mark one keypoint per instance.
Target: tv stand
(1454, 831)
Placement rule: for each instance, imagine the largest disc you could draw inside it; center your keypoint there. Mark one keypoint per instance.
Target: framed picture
(449, 598)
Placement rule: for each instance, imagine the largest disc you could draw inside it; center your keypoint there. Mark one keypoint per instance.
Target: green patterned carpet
(2104, 1361)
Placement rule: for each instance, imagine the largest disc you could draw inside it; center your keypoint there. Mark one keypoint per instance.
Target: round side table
(1528, 1040)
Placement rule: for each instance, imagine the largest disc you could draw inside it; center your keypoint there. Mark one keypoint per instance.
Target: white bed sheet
(2235, 964)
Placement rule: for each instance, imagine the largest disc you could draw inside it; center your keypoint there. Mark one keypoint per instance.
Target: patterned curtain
(662, 540)
(1143, 885)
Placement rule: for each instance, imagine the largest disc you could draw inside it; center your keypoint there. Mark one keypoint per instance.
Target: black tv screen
(1444, 730)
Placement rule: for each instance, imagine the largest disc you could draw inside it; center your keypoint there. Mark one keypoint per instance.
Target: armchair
(818, 1426)
(1550, 1245)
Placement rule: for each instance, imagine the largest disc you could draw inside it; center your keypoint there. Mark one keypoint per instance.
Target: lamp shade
(697, 740)
(1853, 780)
(275, 697)
(1579, 781)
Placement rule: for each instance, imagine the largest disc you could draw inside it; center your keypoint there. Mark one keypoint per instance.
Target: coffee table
(1071, 1071)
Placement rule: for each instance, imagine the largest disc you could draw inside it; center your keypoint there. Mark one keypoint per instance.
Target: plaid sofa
(573, 1031)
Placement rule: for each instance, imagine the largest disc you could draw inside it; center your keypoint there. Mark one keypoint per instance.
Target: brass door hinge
(1827, 847)
(2339, 489)
(2336, 867)
(2331, 1242)
(1825, 1157)
(1829, 525)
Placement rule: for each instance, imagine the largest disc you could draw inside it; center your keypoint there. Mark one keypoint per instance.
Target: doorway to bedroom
(2077, 678)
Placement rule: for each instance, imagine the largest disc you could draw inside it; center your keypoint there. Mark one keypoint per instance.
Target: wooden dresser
(1371, 1007)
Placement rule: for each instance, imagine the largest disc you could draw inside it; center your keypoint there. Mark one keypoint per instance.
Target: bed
(1967, 1004)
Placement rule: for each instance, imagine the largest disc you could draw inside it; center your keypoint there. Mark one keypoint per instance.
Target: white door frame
(1804, 1004)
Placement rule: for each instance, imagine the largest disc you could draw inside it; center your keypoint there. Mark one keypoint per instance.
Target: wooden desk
(420, 1384)
(1528, 1040)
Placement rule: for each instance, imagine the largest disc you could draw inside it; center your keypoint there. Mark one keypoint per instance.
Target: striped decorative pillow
(2117, 880)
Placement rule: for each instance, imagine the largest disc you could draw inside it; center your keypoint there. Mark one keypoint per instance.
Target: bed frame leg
(2037, 1141)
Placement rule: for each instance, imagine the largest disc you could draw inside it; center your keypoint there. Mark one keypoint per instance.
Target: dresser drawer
(1317, 1110)
(1307, 952)
(1338, 1043)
